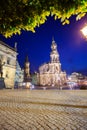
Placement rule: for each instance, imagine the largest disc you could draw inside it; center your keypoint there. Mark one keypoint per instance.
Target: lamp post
(84, 31)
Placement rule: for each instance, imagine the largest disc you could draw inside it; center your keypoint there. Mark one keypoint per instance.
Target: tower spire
(52, 38)
(26, 59)
(54, 53)
(26, 70)
(15, 46)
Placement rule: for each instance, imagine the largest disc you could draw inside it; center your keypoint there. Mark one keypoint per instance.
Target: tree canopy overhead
(17, 15)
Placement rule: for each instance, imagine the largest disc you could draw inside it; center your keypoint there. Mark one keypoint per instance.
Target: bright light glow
(69, 78)
(84, 31)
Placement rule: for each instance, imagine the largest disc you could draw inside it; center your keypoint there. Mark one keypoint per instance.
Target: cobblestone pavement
(43, 110)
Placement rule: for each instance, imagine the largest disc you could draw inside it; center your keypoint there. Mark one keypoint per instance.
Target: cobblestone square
(43, 110)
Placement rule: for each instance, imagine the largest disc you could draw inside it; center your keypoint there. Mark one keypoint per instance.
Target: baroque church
(50, 74)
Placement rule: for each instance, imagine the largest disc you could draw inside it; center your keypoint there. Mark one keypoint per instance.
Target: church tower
(51, 74)
(54, 56)
(26, 70)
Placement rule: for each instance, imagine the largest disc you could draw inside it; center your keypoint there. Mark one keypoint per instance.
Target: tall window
(8, 60)
(7, 75)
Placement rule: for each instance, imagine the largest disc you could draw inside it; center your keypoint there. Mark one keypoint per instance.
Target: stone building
(35, 78)
(8, 56)
(19, 76)
(50, 74)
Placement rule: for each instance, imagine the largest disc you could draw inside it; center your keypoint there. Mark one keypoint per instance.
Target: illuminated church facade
(50, 74)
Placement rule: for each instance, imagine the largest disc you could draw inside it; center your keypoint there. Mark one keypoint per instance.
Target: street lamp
(84, 31)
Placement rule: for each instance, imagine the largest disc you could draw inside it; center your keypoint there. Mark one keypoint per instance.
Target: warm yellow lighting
(84, 31)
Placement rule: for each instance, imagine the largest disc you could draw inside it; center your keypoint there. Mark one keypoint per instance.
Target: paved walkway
(43, 110)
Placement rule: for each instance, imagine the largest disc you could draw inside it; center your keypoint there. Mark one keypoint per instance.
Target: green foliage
(17, 15)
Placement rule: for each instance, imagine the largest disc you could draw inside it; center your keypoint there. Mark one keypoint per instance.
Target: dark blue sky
(72, 46)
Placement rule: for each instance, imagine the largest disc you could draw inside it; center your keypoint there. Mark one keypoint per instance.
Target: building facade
(8, 57)
(19, 76)
(50, 74)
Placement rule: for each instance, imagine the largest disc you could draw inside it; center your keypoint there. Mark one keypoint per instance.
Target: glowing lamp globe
(84, 31)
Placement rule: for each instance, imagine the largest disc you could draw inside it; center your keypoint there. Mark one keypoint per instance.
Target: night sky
(72, 46)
